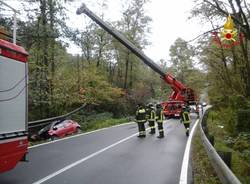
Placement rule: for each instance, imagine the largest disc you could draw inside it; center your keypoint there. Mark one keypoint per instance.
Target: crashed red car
(59, 129)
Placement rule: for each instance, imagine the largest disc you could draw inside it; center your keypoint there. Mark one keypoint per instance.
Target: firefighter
(185, 119)
(147, 111)
(159, 120)
(151, 118)
(141, 120)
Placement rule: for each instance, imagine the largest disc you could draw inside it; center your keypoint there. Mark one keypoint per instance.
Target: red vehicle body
(180, 92)
(180, 96)
(13, 105)
(172, 109)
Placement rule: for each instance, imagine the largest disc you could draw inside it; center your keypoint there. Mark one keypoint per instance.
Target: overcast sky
(170, 21)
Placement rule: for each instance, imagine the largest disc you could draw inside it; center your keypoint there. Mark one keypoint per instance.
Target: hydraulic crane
(181, 94)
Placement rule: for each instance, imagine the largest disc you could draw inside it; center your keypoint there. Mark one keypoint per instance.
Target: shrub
(242, 142)
(240, 145)
(243, 120)
(229, 141)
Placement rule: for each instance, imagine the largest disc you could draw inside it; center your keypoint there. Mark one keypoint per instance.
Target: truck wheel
(167, 117)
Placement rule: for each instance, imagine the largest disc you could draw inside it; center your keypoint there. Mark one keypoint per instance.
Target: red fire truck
(172, 108)
(13, 103)
(180, 95)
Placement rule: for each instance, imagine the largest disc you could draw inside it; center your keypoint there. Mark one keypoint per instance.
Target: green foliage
(238, 144)
(183, 66)
(181, 55)
(241, 145)
(202, 169)
(96, 89)
(99, 117)
(94, 125)
(243, 120)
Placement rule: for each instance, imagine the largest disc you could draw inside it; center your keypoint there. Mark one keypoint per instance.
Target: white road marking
(83, 160)
(80, 135)
(184, 168)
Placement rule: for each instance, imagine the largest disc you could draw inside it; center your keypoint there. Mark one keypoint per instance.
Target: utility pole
(14, 17)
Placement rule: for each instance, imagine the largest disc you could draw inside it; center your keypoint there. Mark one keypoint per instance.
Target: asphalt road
(110, 156)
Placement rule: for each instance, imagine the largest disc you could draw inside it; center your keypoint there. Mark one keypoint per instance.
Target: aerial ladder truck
(181, 94)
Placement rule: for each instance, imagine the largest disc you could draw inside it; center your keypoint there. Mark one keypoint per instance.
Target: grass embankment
(92, 122)
(202, 169)
(94, 125)
(238, 145)
(98, 121)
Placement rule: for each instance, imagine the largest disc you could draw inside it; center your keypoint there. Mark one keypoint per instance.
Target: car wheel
(53, 137)
(78, 130)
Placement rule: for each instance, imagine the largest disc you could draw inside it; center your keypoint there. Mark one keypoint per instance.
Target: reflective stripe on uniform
(141, 111)
(152, 115)
(140, 121)
(142, 133)
(186, 118)
(159, 118)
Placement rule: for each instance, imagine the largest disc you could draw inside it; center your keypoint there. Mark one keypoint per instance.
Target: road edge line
(78, 135)
(185, 161)
(82, 160)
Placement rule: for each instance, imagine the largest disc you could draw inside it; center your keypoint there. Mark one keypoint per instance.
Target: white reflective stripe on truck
(13, 101)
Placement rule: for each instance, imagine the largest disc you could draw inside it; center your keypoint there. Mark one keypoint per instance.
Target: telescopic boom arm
(122, 39)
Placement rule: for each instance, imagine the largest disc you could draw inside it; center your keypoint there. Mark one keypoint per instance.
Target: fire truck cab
(172, 109)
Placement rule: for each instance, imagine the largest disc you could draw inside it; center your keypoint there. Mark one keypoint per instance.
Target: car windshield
(53, 124)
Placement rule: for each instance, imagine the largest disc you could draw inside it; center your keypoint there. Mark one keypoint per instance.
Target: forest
(112, 80)
(104, 74)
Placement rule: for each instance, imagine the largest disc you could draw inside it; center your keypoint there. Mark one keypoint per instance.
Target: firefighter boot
(142, 134)
(161, 134)
(152, 131)
(187, 132)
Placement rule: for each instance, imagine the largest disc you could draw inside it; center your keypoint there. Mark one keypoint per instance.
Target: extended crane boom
(122, 39)
(180, 92)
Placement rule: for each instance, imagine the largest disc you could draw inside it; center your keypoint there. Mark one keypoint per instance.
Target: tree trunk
(131, 76)
(52, 49)
(126, 71)
(45, 57)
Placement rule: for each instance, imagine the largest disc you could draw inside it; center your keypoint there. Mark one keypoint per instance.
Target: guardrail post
(211, 139)
(226, 157)
(205, 129)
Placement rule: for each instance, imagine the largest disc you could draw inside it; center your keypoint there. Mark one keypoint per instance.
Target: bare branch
(245, 23)
(203, 34)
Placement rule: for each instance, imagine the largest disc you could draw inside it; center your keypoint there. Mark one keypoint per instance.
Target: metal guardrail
(225, 175)
(39, 123)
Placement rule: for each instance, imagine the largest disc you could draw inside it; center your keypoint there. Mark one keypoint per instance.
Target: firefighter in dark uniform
(147, 111)
(185, 119)
(141, 120)
(159, 120)
(151, 118)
